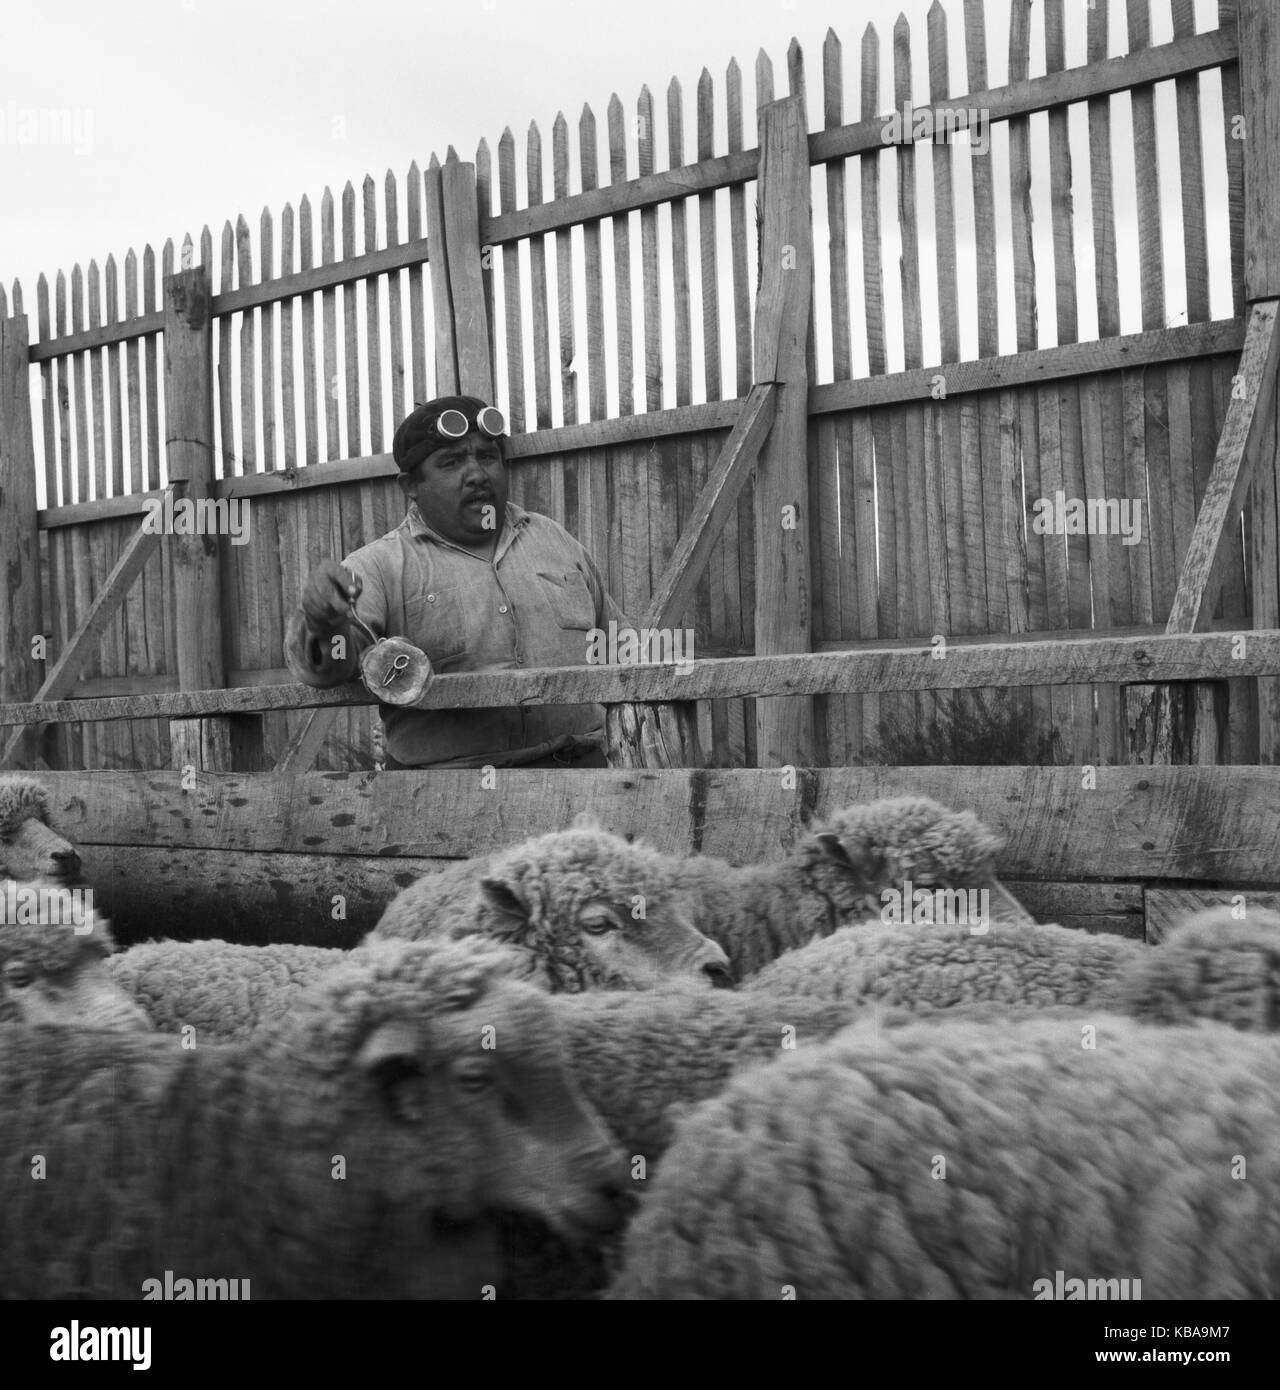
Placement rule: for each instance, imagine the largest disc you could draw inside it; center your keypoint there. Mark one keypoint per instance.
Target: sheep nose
(719, 975)
(66, 864)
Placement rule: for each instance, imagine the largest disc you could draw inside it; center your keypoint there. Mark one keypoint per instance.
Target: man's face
(461, 489)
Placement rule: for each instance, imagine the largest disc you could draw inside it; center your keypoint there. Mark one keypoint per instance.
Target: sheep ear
(857, 857)
(500, 896)
(391, 1047)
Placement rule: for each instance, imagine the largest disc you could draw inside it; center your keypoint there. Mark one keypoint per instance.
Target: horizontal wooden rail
(1215, 824)
(1186, 343)
(1179, 58)
(1123, 660)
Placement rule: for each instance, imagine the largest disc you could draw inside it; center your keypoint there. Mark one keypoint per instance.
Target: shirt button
(431, 598)
(502, 608)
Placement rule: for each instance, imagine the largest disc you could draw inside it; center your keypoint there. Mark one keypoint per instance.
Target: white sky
(193, 111)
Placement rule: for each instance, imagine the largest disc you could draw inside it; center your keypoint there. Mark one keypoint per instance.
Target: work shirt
(532, 604)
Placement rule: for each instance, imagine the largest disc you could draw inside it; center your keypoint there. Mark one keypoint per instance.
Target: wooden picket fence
(914, 505)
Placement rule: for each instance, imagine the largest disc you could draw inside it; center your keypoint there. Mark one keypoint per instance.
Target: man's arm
(322, 646)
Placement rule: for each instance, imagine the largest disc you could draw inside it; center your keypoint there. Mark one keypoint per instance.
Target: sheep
(53, 960)
(225, 991)
(959, 1159)
(840, 872)
(360, 1149)
(922, 969)
(587, 909)
(1211, 965)
(29, 847)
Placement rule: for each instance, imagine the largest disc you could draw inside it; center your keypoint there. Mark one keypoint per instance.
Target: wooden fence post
(463, 359)
(20, 614)
(784, 727)
(1259, 37)
(224, 742)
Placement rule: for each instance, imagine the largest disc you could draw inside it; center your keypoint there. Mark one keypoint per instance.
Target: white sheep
(839, 872)
(54, 951)
(29, 846)
(361, 1149)
(587, 909)
(962, 1159)
(1211, 965)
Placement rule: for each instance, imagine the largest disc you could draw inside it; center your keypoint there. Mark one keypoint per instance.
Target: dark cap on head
(418, 436)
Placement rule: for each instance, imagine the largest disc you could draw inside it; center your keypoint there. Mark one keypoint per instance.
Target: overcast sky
(189, 112)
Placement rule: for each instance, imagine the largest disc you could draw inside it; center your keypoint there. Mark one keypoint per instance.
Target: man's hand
(328, 596)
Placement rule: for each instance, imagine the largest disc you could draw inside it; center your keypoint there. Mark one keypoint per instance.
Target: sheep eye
(475, 1079)
(597, 923)
(17, 974)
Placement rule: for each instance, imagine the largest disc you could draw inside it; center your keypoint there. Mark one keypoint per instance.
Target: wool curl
(818, 1173)
(21, 798)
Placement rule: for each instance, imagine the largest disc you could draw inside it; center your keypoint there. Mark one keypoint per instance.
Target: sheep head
(53, 951)
(29, 847)
(883, 845)
(592, 911)
(441, 1079)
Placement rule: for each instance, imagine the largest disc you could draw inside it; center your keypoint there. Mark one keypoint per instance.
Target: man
(476, 582)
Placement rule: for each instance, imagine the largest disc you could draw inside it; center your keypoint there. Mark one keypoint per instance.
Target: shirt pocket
(570, 599)
(436, 621)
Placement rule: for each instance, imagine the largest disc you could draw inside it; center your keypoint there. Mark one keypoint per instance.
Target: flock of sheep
(579, 1067)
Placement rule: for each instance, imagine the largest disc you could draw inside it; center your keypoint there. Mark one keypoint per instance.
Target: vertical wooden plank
(564, 275)
(484, 209)
(267, 324)
(984, 604)
(421, 391)
(288, 415)
(86, 430)
(679, 252)
(784, 728)
(62, 377)
(1075, 704)
(373, 319)
(738, 238)
(538, 285)
(310, 386)
(351, 327)
(395, 310)
(843, 528)
(329, 318)
(620, 225)
(1233, 134)
(152, 355)
(598, 398)
(232, 462)
(48, 415)
(511, 285)
(133, 377)
(707, 259)
(1260, 86)
(1024, 295)
(97, 411)
(250, 458)
(115, 385)
(446, 371)
(1102, 410)
(20, 605)
(650, 273)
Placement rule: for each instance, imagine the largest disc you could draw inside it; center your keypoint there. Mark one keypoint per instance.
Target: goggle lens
(453, 424)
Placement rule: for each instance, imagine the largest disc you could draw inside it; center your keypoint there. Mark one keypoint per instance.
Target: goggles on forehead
(453, 424)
